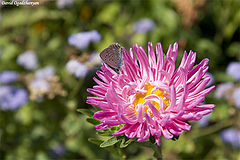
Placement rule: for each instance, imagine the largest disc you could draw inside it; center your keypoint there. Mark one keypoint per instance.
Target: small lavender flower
(8, 76)
(95, 59)
(64, 3)
(233, 70)
(45, 72)
(223, 88)
(204, 121)
(76, 68)
(58, 151)
(236, 95)
(144, 25)
(231, 136)
(11, 98)
(28, 60)
(39, 84)
(211, 79)
(83, 39)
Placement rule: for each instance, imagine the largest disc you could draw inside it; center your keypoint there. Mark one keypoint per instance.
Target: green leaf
(86, 112)
(109, 12)
(175, 137)
(97, 108)
(104, 133)
(125, 143)
(95, 141)
(93, 121)
(109, 142)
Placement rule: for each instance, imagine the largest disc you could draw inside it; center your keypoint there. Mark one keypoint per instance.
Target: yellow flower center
(140, 98)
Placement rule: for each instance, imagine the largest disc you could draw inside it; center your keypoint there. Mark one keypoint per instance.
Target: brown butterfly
(112, 56)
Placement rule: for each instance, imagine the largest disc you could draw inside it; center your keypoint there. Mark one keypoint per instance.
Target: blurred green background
(48, 126)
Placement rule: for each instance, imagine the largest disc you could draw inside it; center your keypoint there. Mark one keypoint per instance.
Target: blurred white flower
(144, 25)
(64, 3)
(95, 59)
(222, 89)
(233, 70)
(45, 72)
(236, 97)
(39, 85)
(83, 39)
(28, 60)
(76, 68)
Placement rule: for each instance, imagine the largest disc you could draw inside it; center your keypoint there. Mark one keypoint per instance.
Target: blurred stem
(214, 128)
(76, 89)
(157, 149)
(113, 151)
(123, 153)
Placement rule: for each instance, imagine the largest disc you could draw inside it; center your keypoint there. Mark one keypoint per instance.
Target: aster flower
(28, 60)
(144, 25)
(77, 68)
(231, 136)
(149, 97)
(83, 39)
(8, 76)
(233, 70)
(11, 98)
(211, 79)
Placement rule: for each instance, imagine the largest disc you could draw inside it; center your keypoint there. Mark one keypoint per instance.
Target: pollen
(161, 93)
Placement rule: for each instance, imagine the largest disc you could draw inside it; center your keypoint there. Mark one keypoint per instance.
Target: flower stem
(157, 149)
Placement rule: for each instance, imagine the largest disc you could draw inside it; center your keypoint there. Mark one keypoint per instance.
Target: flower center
(160, 93)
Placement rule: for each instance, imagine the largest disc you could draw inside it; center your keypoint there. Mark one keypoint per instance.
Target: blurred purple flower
(233, 70)
(231, 136)
(8, 76)
(83, 39)
(76, 68)
(28, 60)
(64, 3)
(222, 89)
(58, 151)
(204, 121)
(144, 25)
(45, 72)
(211, 78)
(236, 97)
(11, 98)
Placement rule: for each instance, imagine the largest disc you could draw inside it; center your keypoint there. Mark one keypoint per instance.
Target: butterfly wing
(112, 56)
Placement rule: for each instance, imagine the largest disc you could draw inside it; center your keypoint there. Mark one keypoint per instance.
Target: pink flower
(150, 97)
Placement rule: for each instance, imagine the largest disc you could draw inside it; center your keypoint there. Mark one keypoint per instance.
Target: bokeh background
(49, 54)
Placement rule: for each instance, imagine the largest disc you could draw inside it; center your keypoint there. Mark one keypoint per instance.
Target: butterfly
(112, 56)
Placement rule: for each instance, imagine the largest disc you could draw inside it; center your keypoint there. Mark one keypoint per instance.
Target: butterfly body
(112, 56)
